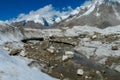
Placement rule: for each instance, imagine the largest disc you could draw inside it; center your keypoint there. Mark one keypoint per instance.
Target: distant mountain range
(98, 13)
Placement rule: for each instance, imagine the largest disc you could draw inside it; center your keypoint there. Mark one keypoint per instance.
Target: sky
(12, 8)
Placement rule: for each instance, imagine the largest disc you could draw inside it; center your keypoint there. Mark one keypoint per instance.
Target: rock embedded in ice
(94, 36)
(15, 52)
(114, 48)
(117, 68)
(6, 48)
(102, 61)
(86, 39)
(80, 72)
(82, 35)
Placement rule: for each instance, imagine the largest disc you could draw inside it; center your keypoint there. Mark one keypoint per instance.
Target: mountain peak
(2, 23)
(45, 16)
(98, 13)
(105, 1)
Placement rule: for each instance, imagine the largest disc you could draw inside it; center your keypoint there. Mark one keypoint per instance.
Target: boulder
(51, 49)
(15, 52)
(80, 72)
(98, 72)
(67, 55)
(64, 57)
(70, 54)
(22, 53)
(114, 48)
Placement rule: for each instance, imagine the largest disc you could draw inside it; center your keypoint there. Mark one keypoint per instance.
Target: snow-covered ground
(15, 68)
(76, 30)
(9, 33)
(29, 33)
(96, 48)
(99, 50)
(89, 46)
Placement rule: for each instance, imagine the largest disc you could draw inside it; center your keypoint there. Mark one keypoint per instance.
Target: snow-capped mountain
(45, 16)
(100, 13)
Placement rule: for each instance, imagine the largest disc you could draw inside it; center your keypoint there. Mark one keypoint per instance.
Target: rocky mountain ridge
(99, 13)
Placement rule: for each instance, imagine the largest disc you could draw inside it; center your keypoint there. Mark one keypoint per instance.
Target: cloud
(46, 12)
(69, 8)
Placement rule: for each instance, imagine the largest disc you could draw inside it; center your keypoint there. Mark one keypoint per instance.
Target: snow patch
(116, 13)
(89, 10)
(15, 68)
(77, 30)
